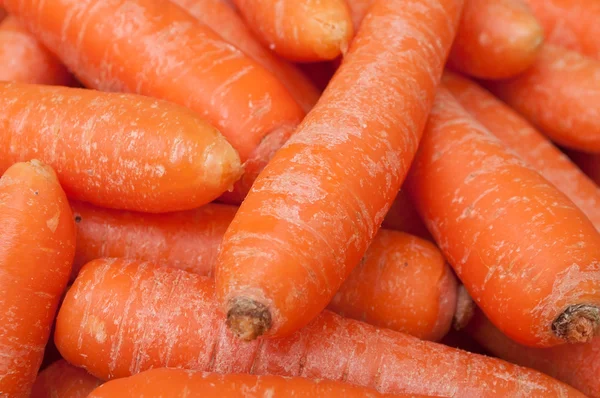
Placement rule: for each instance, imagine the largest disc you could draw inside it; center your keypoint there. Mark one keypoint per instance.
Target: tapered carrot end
(248, 319)
(578, 323)
(465, 308)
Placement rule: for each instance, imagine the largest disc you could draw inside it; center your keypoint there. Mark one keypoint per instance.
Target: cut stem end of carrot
(465, 308)
(578, 323)
(248, 319)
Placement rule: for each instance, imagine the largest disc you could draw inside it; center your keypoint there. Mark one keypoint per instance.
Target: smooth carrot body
(63, 380)
(589, 163)
(117, 150)
(37, 244)
(526, 254)
(164, 317)
(560, 94)
(531, 145)
(403, 216)
(317, 205)
(24, 59)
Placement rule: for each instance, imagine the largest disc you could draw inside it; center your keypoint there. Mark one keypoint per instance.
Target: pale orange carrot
(63, 380)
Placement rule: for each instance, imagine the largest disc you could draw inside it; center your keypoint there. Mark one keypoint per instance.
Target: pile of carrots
(334, 198)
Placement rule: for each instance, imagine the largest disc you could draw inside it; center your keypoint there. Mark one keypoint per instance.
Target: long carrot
(589, 163)
(526, 254)
(117, 150)
(531, 145)
(24, 59)
(122, 317)
(318, 204)
(63, 380)
(300, 30)
(37, 244)
(403, 216)
(224, 20)
(570, 23)
(560, 94)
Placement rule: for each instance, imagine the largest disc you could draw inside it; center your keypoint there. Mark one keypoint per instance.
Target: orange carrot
(117, 150)
(300, 30)
(560, 94)
(25, 60)
(224, 20)
(123, 317)
(37, 244)
(164, 382)
(403, 216)
(533, 147)
(63, 380)
(570, 23)
(187, 240)
(2, 13)
(316, 207)
(526, 254)
(589, 163)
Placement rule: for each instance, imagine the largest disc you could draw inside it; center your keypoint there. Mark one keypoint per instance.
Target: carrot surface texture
(117, 150)
(63, 380)
(24, 59)
(122, 317)
(300, 30)
(37, 244)
(318, 204)
(526, 254)
(560, 94)
(531, 145)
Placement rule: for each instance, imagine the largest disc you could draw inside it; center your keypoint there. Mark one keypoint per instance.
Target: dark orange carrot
(403, 216)
(37, 244)
(63, 380)
(318, 204)
(589, 163)
(117, 150)
(526, 254)
(531, 145)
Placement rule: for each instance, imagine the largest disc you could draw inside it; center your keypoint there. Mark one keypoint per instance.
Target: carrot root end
(465, 308)
(578, 323)
(248, 319)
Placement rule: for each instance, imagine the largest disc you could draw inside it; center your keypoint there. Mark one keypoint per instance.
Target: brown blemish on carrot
(578, 323)
(465, 307)
(248, 318)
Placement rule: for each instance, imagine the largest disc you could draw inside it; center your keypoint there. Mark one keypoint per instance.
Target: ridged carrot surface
(526, 254)
(37, 244)
(63, 380)
(316, 207)
(123, 317)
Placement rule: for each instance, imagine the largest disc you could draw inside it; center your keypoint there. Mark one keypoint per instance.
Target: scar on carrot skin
(578, 323)
(465, 308)
(248, 319)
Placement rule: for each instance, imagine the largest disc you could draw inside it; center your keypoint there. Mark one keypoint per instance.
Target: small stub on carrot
(578, 323)
(465, 308)
(248, 319)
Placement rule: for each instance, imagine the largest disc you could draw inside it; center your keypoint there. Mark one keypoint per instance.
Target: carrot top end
(247, 318)
(578, 323)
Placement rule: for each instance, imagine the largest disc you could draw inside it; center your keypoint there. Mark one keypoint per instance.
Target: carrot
(224, 20)
(589, 163)
(570, 23)
(317, 205)
(155, 48)
(300, 30)
(178, 382)
(560, 94)
(123, 317)
(64, 380)
(117, 150)
(531, 145)
(403, 216)
(526, 254)
(187, 240)
(2, 13)
(37, 244)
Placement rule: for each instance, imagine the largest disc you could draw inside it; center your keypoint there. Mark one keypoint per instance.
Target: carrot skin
(164, 317)
(37, 244)
(526, 254)
(531, 145)
(117, 150)
(64, 380)
(403, 216)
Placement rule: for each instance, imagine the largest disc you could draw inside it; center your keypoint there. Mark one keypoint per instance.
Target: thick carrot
(403, 216)
(560, 94)
(155, 48)
(37, 244)
(589, 163)
(531, 145)
(187, 240)
(24, 59)
(224, 20)
(570, 23)
(574, 364)
(117, 150)
(526, 254)
(63, 380)
(122, 317)
(165, 382)
(300, 30)
(317, 205)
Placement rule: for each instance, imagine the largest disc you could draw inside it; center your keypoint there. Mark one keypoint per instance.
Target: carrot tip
(578, 323)
(248, 319)
(465, 307)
